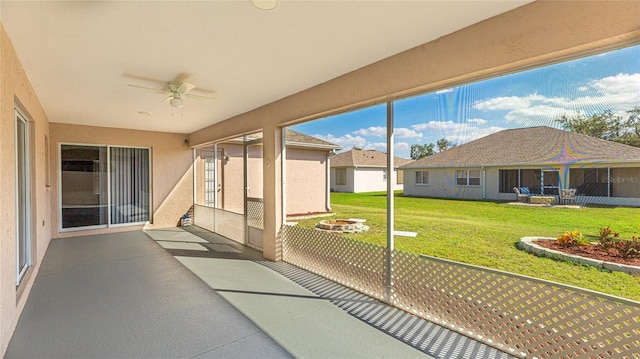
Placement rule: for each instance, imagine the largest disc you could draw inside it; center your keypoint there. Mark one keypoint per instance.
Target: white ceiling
(81, 55)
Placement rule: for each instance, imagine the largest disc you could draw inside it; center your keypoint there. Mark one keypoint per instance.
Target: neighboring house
(307, 162)
(364, 171)
(540, 158)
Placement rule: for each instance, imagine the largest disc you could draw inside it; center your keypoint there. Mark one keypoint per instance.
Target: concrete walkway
(124, 296)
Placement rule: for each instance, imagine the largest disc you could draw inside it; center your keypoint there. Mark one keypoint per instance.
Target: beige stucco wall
(305, 168)
(171, 170)
(442, 183)
(17, 91)
(306, 181)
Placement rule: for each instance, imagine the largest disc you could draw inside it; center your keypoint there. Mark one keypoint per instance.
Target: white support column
(328, 184)
(390, 204)
(272, 187)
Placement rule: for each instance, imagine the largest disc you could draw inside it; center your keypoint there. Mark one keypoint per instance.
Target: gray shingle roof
(296, 139)
(534, 146)
(364, 158)
(299, 138)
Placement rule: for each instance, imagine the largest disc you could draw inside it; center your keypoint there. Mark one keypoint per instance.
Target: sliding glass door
(84, 186)
(23, 198)
(103, 186)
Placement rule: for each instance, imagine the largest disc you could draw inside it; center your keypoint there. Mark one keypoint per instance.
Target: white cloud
(616, 93)
(444, 126)
(477, 121)
(462, 138)
(372, 131)
(380, 146)
(541, 115)
(347, 141)
(382, 132)
(401, 147)
(508, 103)
(406, 133)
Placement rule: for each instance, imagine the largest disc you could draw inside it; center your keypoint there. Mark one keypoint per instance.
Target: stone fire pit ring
(351, 225)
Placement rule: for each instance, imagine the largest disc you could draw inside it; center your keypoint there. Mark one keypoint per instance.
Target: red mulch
(593, 251)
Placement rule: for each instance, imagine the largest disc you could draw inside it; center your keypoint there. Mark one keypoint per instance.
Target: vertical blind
(129, 193)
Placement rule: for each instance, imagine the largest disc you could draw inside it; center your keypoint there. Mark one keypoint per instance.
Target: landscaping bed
(593, 251)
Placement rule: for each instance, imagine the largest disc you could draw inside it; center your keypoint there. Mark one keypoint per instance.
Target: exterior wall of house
(16, 91)
(306, 176)
(349, 186)
(372, 180)
(365, 179)
(233, 177)
(368, 180)
(625, 179)
(306, 181)
(442, 184)
(171, 171)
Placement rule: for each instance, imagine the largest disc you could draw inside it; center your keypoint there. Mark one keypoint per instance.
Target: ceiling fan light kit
(176, 102)
(177, 91)
(265, 4)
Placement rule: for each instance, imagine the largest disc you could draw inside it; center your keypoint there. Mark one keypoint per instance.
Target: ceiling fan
(177, 90)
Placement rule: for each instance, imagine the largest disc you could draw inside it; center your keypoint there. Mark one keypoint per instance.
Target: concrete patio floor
(198, 295)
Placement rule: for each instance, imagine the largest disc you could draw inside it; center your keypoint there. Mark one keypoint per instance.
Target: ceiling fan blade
(186, 87)
(198, 97)
(166, 99)
(148, 88)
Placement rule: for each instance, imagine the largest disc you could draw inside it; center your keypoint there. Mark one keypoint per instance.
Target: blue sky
(608, 81)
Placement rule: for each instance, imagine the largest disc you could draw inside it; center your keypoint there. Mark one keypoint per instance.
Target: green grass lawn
(486, 233)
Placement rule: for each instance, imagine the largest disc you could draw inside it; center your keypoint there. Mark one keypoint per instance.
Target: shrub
(626, 248)
(629, 248)
(574, 238)
(606, 238)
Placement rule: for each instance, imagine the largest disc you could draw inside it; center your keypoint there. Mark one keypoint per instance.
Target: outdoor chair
(522, 194)
(568, 195)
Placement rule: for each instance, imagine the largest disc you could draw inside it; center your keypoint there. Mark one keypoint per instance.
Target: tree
(443, 144)
(607, 126)
(420, 151)
(632, 124)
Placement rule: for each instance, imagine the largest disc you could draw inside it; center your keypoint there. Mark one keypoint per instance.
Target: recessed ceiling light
(265, 4)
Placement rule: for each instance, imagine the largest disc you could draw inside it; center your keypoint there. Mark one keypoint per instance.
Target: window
(104, 185)
(468, 177)
(384, 175)
(341, 176)
(47, 158)
(210, 181)
(400, 177)
(23, 197)
(422, 177)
